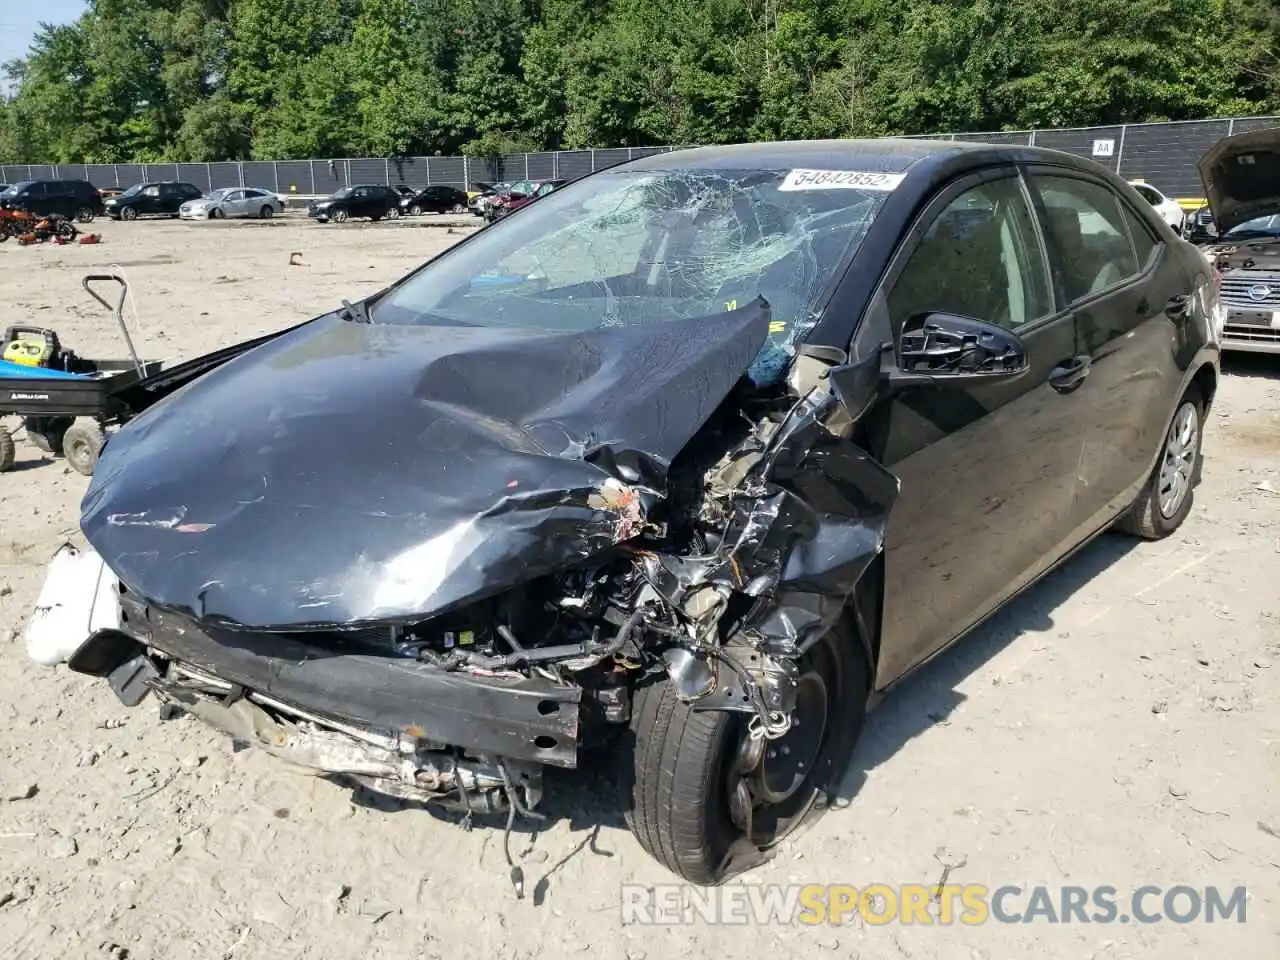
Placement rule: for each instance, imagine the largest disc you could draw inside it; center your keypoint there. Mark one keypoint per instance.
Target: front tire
(1166, 500)
(415, 210)
(339, 216)
(266, 213)
(216, 213)
(696, 772)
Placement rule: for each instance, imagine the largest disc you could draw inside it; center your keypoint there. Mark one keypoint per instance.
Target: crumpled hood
(1241, 177)
(348, 472)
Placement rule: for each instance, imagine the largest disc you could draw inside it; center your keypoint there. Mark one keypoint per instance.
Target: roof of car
(885, 155)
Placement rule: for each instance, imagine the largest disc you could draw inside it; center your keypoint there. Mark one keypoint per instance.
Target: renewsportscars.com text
(928, 904)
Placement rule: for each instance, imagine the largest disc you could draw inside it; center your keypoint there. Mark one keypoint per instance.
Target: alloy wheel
(1178, 463)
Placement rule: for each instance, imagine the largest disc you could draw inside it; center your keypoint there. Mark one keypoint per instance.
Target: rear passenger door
(1115, 273)
(986, 469)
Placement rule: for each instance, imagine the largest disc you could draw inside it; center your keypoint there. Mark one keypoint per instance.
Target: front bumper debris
(533, 719)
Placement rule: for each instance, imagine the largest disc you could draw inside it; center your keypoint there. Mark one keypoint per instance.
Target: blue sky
(19, 20)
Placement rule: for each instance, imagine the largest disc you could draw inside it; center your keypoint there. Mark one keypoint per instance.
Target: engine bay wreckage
(523, 530)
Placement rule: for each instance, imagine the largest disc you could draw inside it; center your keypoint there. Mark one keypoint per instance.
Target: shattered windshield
(635, 247)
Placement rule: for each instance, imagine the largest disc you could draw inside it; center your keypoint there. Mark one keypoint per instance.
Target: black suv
(78, 199)
(144, 199)
(367, 200)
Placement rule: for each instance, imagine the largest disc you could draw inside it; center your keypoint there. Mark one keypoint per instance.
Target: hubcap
(1179, 459)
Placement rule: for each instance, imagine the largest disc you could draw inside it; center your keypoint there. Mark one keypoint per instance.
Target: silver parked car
(233, 202)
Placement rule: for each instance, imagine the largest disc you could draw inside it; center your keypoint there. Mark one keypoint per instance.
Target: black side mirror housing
(943, 349)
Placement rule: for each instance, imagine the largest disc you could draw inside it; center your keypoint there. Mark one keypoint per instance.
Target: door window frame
(1145, 268)
(871, 328)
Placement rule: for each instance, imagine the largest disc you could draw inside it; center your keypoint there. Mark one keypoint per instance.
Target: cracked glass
(646, 246)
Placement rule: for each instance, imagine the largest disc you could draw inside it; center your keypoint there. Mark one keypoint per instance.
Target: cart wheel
(7, 453)
(81, 445)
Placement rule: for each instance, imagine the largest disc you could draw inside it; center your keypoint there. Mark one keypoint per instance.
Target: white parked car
(233, 202)
(1170, 211)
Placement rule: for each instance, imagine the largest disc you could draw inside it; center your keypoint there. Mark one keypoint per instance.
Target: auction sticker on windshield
(840, 180)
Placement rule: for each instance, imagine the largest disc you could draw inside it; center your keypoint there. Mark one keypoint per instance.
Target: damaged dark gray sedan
(676, 468)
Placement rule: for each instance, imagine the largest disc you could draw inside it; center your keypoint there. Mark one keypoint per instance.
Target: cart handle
(87, 283)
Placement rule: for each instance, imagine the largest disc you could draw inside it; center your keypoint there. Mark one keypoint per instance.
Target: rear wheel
(459, 208)
(81, 445)
(1166, 499)
(393, 213)
(704, 782)
(84, 214)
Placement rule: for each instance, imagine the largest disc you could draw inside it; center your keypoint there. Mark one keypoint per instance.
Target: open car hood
(1241, 177)
(342, 472)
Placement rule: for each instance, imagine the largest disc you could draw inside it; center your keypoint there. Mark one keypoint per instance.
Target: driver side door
(987, 469)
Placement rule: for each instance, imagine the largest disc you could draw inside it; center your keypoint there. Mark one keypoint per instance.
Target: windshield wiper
(355, 312)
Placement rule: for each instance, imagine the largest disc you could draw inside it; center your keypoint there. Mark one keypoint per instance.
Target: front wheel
(393, 213)
(1166, 499)
(415, 210)
(266, 212)
(339, 216)
(703, 782)
(216, 213)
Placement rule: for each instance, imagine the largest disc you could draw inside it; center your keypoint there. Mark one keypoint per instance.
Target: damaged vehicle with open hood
(1241, 176)
(677, 468)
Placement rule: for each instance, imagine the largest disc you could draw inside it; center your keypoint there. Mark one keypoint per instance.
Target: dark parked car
(437, 198)
(73, 199)
(151, 199)
(367, 200)
(691, 459)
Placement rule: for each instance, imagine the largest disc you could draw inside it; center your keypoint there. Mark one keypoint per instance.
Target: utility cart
(67, 402)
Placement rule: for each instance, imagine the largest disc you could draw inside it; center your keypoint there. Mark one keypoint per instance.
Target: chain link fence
(1163, 154)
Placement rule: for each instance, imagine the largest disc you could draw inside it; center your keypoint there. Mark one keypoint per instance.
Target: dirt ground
(1118, 725)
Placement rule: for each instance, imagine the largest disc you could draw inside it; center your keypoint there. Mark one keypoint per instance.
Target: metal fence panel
(573, 163)
(293, 176)
(258, 173)
(224, 174)
(127, 174)
(196, 174)
(328, 176)
(1099, 144)
(607, 158)
(367, 170)
(1165, 154)
(450, 170)
(1248, 124)
(542, 166)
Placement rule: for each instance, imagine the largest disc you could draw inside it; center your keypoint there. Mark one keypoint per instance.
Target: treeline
(195, 80)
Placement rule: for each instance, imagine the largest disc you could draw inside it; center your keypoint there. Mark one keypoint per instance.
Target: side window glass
(151, 192)
(1087, 235)
(1140, 233)
(979, 259)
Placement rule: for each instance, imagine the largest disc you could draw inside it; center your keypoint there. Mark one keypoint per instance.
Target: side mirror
(940, 349)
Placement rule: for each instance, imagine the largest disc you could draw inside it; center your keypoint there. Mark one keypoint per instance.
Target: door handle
(1069, 374)
(1178, 307)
